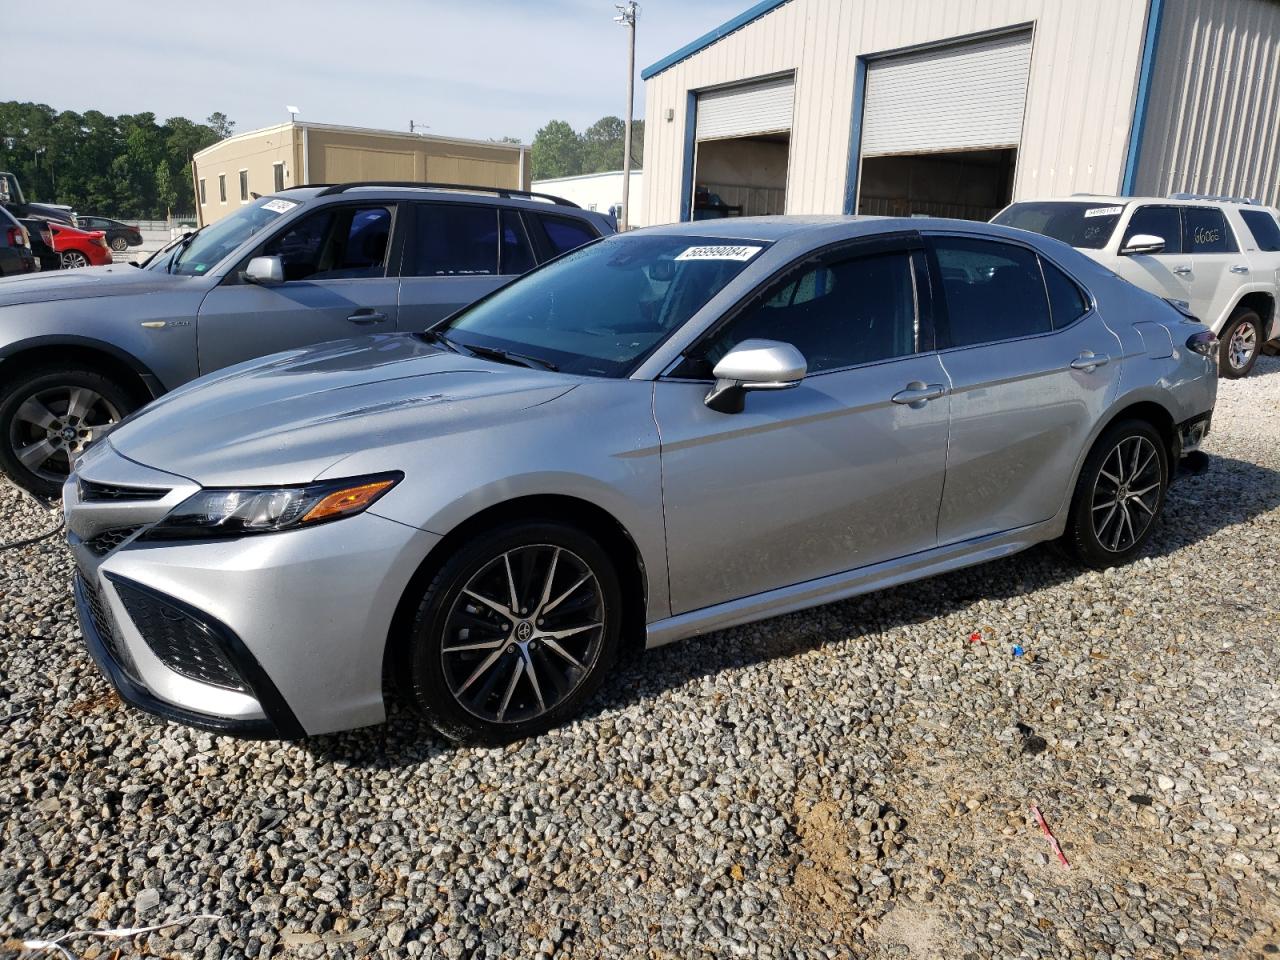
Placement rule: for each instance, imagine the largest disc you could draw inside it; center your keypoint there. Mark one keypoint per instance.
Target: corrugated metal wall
(1214, 121)
(1080, 95)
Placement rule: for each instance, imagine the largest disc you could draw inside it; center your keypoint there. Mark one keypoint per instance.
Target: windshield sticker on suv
(1104, 212)
(719, 253)
(279, 206)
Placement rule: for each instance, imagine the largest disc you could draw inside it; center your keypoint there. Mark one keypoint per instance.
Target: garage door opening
(941, 128)
(742, 141)
(967, 185)
(741, 177)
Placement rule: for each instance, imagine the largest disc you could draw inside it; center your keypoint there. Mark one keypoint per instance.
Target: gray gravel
(845, 782)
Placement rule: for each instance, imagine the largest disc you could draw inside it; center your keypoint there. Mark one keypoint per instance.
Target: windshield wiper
(182, 248)
(506, 356)
(431, 336)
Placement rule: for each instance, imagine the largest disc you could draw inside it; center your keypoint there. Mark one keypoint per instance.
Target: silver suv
(666, 432)
(81, 349)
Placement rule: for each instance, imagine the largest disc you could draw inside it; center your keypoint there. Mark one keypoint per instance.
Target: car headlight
(240, 512)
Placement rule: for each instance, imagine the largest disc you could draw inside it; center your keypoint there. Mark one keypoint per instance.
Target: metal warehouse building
(954, 108)
(228, 173)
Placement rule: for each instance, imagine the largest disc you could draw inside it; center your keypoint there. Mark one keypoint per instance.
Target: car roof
(357, 191)
(818, 229)
(1117, 201)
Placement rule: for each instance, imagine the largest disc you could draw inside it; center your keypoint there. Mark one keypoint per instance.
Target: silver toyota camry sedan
(663, 433)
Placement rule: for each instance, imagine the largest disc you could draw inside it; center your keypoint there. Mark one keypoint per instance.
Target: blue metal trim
(855, 136)
(1155, 16)
(689, 49)
(686, 170)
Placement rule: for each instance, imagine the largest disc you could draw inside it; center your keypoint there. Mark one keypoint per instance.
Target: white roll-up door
(964, 97)
(746, 110)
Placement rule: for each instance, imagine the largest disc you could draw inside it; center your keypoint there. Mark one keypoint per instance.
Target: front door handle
(366, 316)
(918, 393)
(1183, 271)
(1090, 361)
(1240, 268)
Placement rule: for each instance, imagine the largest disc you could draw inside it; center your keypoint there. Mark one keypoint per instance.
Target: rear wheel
(48, 417)
(119, 244)
(514, 632)
(71, 259)
(1241, 343)
(1119, 495)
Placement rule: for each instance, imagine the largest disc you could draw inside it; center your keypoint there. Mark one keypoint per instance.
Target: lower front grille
(105, 625)
(108, 540)
(182, 642)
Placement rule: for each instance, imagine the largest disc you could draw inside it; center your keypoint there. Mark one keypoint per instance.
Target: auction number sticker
(279, 206)
(720, 253)
(1104, 212)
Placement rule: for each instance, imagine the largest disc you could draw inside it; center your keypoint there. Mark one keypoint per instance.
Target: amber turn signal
(350, 500)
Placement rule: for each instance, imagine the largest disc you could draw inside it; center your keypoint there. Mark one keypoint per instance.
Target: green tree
(166, 189)
(220, 125)
(557, 151)
(602, 145)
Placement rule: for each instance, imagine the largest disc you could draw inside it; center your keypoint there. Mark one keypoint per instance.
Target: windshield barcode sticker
(1104, 212)
(720, 253)
(279, 206)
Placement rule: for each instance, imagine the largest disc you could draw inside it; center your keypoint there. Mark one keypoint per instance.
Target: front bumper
(275, 635)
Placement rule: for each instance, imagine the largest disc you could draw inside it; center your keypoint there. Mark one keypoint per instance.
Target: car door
(1032, 368)
(1218, 266)
(455, 254)
(338, 282)
(842, 471)
(1167, 273)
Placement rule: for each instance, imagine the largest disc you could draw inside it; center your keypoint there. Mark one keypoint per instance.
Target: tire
(1097, 537)
(1241, 343)
(73, 259)
(119, 244)
(467, 663)
(54, 413)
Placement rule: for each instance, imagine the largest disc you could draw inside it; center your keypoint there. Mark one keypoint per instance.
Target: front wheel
(72, 259)
(1241, 342)
(515, 632)
(47, 418)
(1119, 496)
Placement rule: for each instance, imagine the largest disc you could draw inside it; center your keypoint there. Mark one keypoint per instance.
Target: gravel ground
(852, 781)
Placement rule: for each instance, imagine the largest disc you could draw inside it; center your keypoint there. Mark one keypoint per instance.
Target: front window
(212, 244)
(1084, 224)
(598, 310)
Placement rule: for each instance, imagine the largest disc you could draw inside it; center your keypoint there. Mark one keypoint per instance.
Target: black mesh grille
(105, 625)
(181, 642)
(98, 492)
(108, 540)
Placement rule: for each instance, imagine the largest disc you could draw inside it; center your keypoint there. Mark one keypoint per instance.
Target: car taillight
(16, 237)
(1204, 343)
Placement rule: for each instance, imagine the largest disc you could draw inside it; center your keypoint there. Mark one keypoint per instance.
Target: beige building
(954, 109)
(227, 174)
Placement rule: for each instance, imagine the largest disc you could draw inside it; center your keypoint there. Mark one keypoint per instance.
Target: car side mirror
(267, 271)
(1141, 243)
(754, 365)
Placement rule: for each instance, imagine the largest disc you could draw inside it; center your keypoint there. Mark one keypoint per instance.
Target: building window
(203, 201)
(222, 188)
(279, 176)
(244, 186)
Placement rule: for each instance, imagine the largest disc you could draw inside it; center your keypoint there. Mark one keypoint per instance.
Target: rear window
(1265, 229)
(1079, 223)
(994, 291)
(565, 234)
(1205, 230)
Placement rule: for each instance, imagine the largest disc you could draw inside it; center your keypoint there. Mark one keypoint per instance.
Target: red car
(80, 248)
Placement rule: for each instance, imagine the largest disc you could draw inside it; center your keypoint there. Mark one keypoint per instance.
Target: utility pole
(627, 13)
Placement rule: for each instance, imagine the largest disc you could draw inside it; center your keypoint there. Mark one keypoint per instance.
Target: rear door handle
(1090, 361)
(1240, 268)
(1183, 271)
(366, 316)
(918, 393)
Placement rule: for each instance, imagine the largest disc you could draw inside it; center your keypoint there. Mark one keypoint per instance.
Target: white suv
(1221, 256)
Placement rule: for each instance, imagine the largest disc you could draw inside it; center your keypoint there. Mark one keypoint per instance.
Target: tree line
(560, 151)
(130, 166)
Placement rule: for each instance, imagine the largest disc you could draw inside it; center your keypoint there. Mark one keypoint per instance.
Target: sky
(469, 68)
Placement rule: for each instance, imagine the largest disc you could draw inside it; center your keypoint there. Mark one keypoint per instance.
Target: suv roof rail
(504, 192)
(1252, 201)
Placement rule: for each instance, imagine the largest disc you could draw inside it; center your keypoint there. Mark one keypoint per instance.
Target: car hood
(113, 281)
(289, 417)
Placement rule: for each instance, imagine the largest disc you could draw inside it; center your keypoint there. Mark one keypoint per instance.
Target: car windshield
(599, 310)
(212, 244)
(1086, 224)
